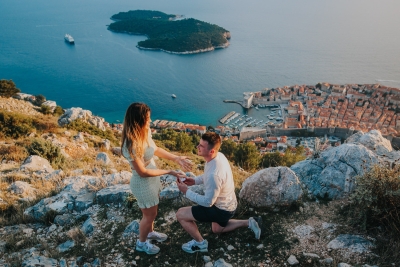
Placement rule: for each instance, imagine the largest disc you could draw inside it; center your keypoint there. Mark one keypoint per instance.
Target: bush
(8, 89)
(45, 109)
(376, 199)
(58, 111)
(48, 151)
(15, 125)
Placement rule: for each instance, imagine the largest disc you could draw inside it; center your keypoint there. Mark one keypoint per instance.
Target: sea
(274, 43)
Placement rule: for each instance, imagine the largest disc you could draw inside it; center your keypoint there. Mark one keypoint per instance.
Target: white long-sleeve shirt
(218, 184)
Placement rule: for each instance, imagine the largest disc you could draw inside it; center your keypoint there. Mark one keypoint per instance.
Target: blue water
(274, 43)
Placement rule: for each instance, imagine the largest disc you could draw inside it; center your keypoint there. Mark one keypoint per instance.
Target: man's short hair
(213, 140)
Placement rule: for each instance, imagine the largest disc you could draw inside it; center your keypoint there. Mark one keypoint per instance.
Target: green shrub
(8, 89)
(45, 109)
(81, 126)
(376, 199)
(48, 151)
(15, 125)
(58, 111)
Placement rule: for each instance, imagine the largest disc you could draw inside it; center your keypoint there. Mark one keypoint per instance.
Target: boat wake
(388, 81)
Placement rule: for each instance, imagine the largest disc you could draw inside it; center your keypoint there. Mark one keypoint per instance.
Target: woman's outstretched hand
(184, 162)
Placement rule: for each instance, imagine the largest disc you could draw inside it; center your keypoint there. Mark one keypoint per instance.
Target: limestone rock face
(72, 114)
(372, 140)
(272, 187)
(333, 174)
(36, 163)
(354, 243)
(104, 158)
(39, 261)
(23, 189)
(113, 194)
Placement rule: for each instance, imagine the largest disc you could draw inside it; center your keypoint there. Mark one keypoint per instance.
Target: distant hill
(166, 33)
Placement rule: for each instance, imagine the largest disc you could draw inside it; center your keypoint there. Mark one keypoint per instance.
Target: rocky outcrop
(353, 243)
(272, 187)
(72, 114)
(36, 163)
(332, 175)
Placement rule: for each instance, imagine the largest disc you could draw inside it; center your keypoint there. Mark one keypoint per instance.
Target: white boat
(68, 38)
(173, 96)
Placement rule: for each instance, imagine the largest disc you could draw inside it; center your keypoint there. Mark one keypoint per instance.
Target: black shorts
(212, 214)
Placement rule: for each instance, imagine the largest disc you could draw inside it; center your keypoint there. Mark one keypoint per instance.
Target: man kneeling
(218, 204)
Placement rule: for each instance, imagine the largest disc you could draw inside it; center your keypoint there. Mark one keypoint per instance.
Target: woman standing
(139, 148)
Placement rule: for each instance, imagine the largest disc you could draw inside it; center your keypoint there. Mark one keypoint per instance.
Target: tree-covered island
(164, 32)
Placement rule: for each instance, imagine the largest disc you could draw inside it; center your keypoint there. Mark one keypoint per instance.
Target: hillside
(72, 204)
(164, 32)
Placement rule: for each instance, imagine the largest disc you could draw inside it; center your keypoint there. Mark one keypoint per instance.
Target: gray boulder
(35, 163)
(372, 140)
(222, 263)
(113, 194)
(72, 114)
(122, 177)
(88, 226)
(107, 144)
(353, 243)
(77, 195)
(272, 187)
(39, 261)
(333, 174)
(132, 228)
(104, 158)
(66, 246)
(170, 192)
(64, 219)
(23, 189)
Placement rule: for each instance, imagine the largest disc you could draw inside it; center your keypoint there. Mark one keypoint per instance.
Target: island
(170, 33)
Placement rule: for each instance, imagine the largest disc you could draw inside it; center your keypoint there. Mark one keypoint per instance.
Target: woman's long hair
(135, 132)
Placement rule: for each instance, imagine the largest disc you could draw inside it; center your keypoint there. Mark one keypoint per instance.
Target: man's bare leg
(232, 225)
(186, 219)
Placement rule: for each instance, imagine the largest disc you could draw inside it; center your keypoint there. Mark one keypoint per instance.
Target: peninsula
(166, 33)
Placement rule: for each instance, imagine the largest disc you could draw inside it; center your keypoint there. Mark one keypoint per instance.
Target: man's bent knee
(216, 228)
(182, 213)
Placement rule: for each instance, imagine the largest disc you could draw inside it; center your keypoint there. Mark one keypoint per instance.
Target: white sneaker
(147, 247)
(254, 225)
(160, 237)
(193, 246)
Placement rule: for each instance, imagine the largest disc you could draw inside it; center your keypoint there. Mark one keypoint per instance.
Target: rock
(292, 260)
(39, 261)
(170, 192)
(113, 194)
(64, 219)
(77, 195)
(206, 259)
(353, 243)
(2, 245)
(52, 228)
(79, 137)
(23, 189)
(122, 177)
(36, 163)
(327, 261)
(132, 228)
(260, 246)
(310, 255)
(303, 230)
(116, 151)
(66, 246)
(208, 264)
(222, 263)
(107, 144)
(332, 175)
(372, 140)
(96, 263)
(272, 187)
(104, 158)
(88, 226)
(55, 175)
(230, 247)
(72, 114)
(342, 264)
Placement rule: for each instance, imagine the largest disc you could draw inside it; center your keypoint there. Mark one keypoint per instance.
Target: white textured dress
(145, 189)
